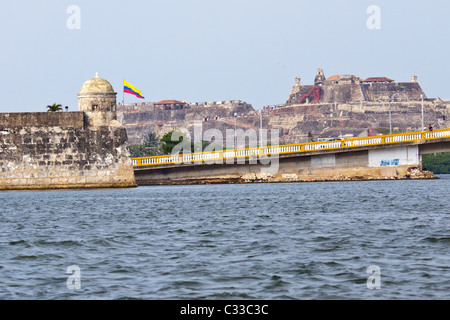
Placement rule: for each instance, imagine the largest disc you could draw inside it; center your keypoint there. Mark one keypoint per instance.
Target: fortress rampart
(60, 150)
(352, 89)
(54, 150)
(340, 105)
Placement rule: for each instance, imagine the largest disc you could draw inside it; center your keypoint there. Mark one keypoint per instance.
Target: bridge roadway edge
(349, 164)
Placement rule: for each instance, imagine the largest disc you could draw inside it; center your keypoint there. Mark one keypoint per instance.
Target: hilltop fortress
(340, 105)
(352, 89)
(88, 148)
(83, 149)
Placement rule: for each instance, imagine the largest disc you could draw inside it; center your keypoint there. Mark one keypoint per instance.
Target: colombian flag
(129, 88)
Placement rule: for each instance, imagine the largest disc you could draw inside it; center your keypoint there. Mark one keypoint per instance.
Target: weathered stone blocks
(62, 150)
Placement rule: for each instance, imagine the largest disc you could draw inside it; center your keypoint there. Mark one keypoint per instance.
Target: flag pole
(123, 93)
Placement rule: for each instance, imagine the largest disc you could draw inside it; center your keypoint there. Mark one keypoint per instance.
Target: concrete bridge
(396, 156)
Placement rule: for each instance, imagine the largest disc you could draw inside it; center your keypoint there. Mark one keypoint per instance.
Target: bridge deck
(416, 137)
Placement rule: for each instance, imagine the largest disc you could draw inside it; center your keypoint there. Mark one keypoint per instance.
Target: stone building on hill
(352, 89)
(171, 104)
(338, 105)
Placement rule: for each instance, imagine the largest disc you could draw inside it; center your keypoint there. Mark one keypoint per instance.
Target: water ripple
(257, 241)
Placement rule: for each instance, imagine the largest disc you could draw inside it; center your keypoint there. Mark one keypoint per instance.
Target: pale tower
(97, 95)
(320, 77)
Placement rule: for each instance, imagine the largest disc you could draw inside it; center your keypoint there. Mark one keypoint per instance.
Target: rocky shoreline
(412, 173)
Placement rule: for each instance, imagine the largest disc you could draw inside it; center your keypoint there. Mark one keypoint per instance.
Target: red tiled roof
(335, 77)
(377, 79)
(338, 77)
(169, 102)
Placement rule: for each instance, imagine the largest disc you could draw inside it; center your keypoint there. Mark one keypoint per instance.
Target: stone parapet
(61, 150)
(63, 120)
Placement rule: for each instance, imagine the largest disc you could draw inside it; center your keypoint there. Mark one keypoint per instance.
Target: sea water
(326, 240)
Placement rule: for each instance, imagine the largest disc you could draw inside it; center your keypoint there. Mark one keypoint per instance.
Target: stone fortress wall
(346, 106)
(353, 89)
(48, 150)
(143, 118)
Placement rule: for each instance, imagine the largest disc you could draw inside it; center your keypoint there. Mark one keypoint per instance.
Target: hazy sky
(208, 50)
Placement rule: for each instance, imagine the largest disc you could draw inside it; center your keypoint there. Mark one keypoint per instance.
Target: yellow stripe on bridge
(291, 148)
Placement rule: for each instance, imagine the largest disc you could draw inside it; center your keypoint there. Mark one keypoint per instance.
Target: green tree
(201, 147)
(178, 139)
(385, 131)
(438, 163)
(54, 107)
(151, 140)
(138, 151)
(151, 146)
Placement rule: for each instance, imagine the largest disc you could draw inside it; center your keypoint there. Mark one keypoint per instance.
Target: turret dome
(97, 85)
(97, 95)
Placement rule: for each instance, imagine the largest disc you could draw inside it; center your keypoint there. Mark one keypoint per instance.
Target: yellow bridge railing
(291, 148)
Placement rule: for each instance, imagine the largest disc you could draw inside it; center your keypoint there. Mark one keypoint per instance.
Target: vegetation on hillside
(385, 131)
(177, 141)
(151, 146)
(173, 141)
(438, 163)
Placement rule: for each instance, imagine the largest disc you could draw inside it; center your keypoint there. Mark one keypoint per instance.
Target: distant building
(378, 80)
(349, 88)
(171, 104)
